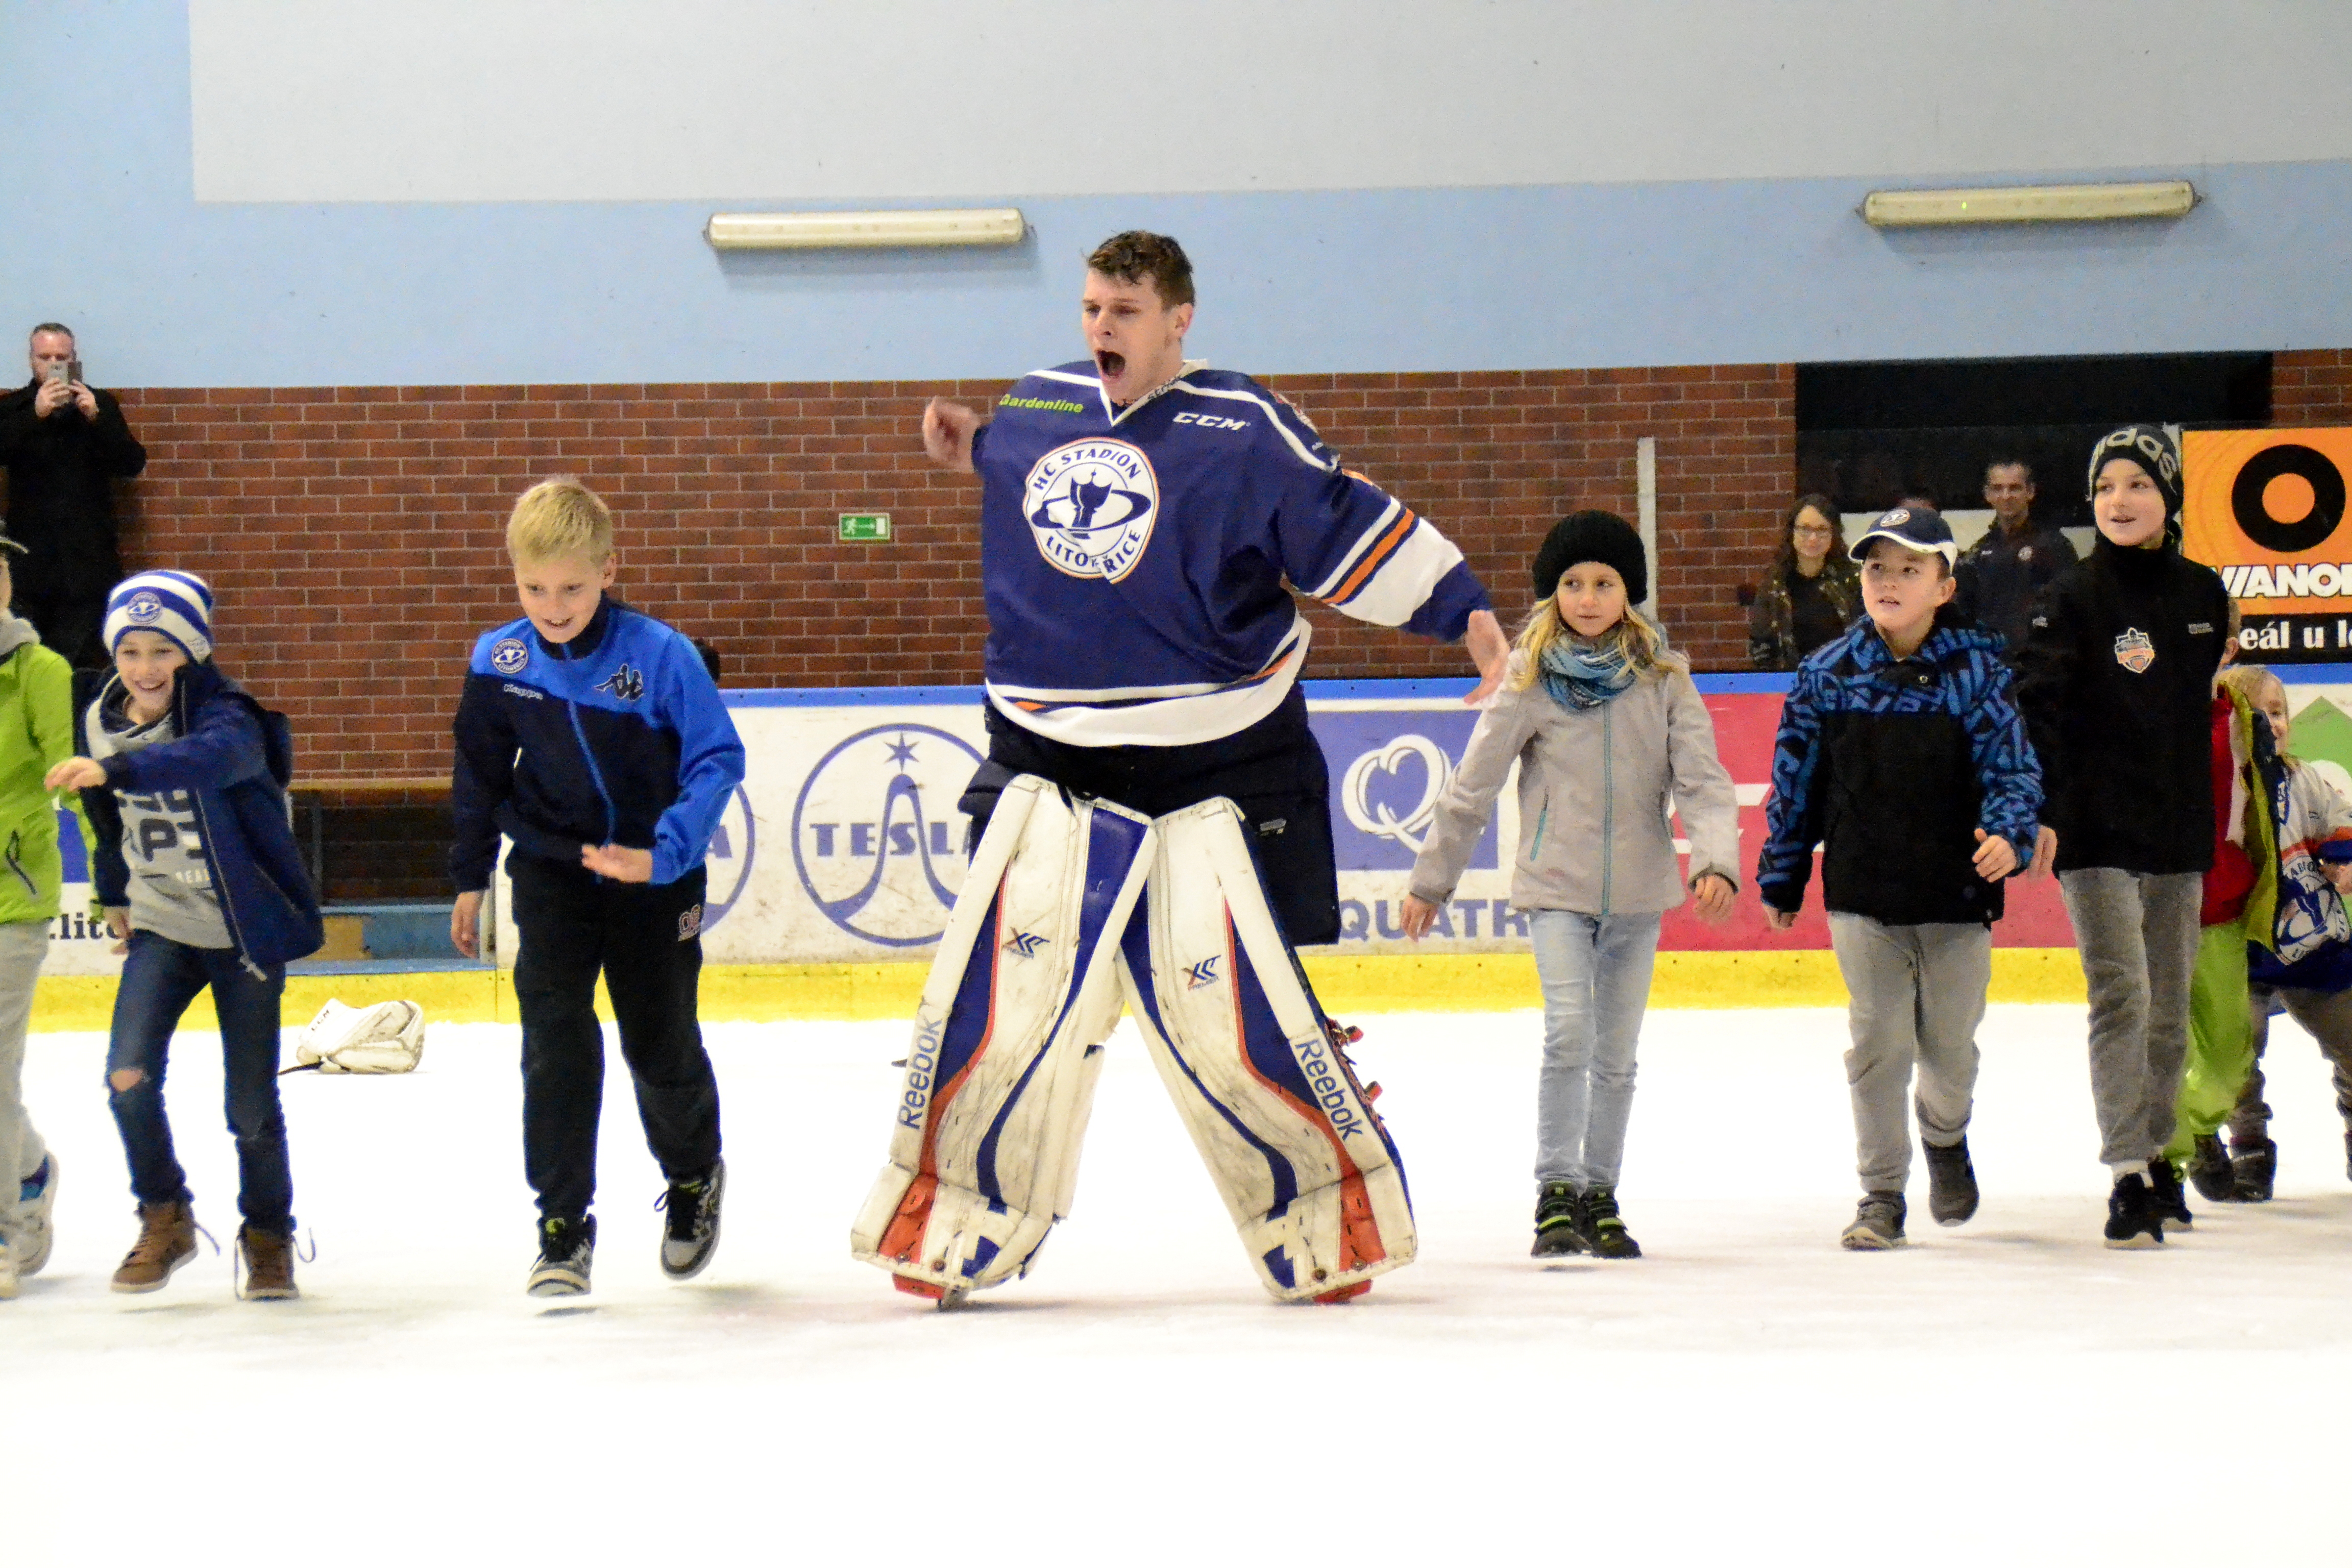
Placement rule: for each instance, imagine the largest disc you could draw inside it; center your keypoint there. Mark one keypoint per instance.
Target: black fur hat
(1601, 536)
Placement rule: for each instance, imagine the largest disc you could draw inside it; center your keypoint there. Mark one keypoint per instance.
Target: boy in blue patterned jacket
(1901, 753)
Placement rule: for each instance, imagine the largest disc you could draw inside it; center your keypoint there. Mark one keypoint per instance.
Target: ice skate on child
(1608, 731)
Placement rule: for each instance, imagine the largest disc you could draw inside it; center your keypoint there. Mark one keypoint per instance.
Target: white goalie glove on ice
(386, 1038)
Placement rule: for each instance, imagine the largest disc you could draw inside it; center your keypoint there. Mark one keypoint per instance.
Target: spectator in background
(64, 445)
(1812, 593)
(2003, 574)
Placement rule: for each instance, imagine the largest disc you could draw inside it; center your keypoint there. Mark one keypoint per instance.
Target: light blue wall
(98, 226)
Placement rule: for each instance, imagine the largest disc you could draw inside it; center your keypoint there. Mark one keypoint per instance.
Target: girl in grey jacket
(1609, 733)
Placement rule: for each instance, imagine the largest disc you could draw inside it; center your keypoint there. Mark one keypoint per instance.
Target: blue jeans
(1595, 971)
(160, 978)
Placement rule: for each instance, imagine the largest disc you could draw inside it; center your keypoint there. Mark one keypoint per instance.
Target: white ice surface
(1746, 1392)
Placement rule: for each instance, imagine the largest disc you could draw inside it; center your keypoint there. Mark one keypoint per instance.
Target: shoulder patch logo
(2134, 651)
(510, 655)
(625, 683)
(1090, 506)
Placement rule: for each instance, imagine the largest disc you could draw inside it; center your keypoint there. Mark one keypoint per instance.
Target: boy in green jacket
(36, 734)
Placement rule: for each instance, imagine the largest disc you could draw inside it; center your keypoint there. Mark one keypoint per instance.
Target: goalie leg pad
(1008, 1044)
(1304, 1165)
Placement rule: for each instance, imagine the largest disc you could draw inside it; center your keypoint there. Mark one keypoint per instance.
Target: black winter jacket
(61, 474)
(2116, 681)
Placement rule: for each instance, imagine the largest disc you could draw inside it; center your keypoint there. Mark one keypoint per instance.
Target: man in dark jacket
(64, 445)
(2003, 574)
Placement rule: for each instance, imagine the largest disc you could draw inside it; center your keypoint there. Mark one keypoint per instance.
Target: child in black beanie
(2115, 678)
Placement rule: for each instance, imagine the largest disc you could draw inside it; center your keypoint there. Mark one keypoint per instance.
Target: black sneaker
(1603, 1232)
(2131, 1219)
(567, 1248)
(1556, 1234)
(1951, 1184)
(1877, 1223)
(693, 1232)
(2255, 1165)
(2210, 1170)
(2165, 1198)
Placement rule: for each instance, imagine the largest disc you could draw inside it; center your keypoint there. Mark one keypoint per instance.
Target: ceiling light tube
(821, 231)
(2029, 204)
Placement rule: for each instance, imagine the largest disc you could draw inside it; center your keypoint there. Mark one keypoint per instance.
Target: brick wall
(2311, 387)
(354, 534)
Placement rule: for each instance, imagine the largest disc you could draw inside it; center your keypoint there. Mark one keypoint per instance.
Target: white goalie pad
(386, 1038)
(1304, 1165)
(1008, 1044)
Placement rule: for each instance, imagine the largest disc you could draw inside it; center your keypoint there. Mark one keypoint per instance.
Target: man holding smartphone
(64, 444)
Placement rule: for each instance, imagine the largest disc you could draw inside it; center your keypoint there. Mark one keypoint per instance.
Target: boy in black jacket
(2117, 680)
(1899, 752)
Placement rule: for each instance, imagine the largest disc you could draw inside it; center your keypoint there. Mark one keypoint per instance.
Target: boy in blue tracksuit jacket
(595, 738)
(182, 780)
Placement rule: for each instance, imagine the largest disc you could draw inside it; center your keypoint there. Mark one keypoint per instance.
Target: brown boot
(167, 1238)
(268, 1265)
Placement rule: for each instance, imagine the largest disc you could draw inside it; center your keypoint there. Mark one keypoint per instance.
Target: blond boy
(593, 739)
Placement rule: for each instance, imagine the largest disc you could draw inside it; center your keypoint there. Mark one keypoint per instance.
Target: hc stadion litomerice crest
(876, 837)
(1090, 506)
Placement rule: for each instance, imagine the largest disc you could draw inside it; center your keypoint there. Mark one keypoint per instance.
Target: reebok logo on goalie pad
(1025, 944)
(1198, 975)
(1330, 1089)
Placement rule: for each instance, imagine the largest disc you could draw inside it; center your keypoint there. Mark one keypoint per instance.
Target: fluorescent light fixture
(823, 231)
(2027, 203)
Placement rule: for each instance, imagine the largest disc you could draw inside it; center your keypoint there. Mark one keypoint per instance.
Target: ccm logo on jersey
(1211, 421)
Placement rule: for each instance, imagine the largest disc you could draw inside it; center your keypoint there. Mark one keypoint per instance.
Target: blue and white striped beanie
(177, 604)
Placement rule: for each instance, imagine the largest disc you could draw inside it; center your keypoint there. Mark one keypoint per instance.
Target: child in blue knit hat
(183, 778)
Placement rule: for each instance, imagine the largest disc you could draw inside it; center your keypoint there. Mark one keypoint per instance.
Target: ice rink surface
(1747, 1392)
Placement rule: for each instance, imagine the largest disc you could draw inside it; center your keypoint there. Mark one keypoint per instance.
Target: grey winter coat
(1594, 788)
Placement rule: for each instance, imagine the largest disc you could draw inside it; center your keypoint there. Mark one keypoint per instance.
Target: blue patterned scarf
(1586, 675)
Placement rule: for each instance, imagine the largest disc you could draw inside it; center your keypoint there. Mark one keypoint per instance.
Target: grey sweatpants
(1919, 994)
(2136, 936)
(2327, 1015)
(23, 945)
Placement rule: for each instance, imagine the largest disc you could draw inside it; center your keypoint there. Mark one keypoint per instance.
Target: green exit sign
(865, 525)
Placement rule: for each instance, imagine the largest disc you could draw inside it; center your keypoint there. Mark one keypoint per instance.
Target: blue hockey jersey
(1134, 559)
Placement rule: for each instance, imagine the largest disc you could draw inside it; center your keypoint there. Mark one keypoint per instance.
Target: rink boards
(844, 844)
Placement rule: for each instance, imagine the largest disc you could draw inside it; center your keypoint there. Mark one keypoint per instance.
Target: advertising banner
(2265, 508)
(844, 844)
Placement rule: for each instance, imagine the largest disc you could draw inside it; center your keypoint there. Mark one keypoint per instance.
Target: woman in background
(1811, 593)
